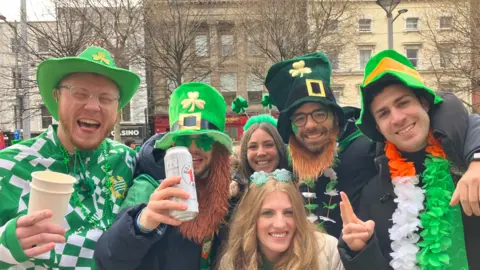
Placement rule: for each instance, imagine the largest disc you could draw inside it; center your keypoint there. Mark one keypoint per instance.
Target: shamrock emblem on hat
(193, 101)
(100, 56)
(299, 69)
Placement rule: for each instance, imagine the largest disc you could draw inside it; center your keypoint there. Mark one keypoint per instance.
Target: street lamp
(389, 6)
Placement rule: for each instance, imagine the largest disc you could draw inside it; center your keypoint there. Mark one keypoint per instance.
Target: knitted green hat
(296, 81)
(92, 60)
(267, 118)
(386, 68)
(196, 108)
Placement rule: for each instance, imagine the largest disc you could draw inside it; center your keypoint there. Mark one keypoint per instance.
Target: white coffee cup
(51, 190)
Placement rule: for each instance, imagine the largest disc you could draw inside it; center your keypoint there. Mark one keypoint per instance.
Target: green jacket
(45, 153)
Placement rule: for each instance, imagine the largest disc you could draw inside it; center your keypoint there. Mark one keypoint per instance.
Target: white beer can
(178, 162)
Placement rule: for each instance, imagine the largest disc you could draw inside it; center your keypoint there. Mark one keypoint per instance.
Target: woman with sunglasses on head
(271, 231)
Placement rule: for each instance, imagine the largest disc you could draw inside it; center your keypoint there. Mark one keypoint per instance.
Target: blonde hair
(241, 250)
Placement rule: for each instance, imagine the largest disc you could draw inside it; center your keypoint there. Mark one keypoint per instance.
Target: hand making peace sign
(355, 233)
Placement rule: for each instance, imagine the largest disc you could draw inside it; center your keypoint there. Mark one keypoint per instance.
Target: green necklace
(91, 217)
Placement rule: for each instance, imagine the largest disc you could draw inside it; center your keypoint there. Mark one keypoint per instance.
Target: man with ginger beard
(145, 236)
(310, 122)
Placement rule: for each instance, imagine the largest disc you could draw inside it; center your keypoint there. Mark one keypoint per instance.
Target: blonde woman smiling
(270, 230)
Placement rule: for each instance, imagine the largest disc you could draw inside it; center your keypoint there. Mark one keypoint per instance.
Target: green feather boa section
(443, 243)
(267, 118)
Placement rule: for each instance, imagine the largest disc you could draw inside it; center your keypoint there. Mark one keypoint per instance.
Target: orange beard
(308, 165)
(212, 194)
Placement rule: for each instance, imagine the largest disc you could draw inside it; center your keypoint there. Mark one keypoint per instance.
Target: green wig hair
(260, 118)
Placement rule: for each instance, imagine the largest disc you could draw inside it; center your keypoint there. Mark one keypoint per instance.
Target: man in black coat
(311, 122)
(409, 217)
(145, 234)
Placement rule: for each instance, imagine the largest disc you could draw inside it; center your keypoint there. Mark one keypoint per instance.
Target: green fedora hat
(386, 68)
(196, 108)
(92, 60)
(296, 81)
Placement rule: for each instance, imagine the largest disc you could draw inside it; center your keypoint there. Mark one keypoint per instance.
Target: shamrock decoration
(193, 101)
(100, 56)
(299, 69)
(266, 101)
(239, 105)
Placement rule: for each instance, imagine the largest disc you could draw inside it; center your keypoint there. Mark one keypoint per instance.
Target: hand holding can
(179, 162)
(160, 204)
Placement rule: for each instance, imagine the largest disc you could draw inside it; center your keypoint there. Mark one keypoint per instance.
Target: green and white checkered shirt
(43, 153)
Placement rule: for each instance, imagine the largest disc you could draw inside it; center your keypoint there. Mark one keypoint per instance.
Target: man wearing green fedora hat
(84, 94)
(408, 216)
(145, 235)
(310, 122)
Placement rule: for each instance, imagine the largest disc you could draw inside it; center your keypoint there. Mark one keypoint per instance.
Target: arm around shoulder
(472, 139)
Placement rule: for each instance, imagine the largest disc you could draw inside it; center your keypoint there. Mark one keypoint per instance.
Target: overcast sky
(36, 9)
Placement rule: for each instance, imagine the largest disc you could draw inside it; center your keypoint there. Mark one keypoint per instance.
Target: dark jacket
(451, 125)
(356, 166)
(123, 246)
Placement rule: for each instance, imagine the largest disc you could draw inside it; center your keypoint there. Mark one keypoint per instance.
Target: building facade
(423, 32)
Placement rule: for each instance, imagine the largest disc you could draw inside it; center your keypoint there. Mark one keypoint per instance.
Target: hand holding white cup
(41, 229)
(37, 236)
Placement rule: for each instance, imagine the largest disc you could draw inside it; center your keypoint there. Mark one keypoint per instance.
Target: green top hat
(196, 108)
(386, 68)
(93, 60)
(299, 80)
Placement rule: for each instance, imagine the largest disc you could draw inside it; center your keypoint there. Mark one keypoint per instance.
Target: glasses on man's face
(300, 119)
(83, 95)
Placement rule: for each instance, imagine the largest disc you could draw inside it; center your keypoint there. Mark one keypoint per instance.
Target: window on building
(332, 26)
(126, 113)
(446, 22)
(228, 82)
(411, 24)
(337, 92)
(227, 45)
(16, 78)
(253, 41)
(364, 54)
(15, 45)
(255, 88)
(46, 116)
(365, 25)
(333, 57)
(201, 45)
(42, 44)
(412, 55)
(446, 55)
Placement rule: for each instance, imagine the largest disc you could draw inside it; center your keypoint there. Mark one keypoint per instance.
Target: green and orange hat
(196, 108)
(299, 80)
(92, 60)
(386, 68)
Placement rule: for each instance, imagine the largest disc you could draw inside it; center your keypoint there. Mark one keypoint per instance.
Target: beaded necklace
(91, 217)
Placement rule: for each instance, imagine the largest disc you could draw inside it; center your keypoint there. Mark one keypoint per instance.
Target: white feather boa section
(406, 222)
